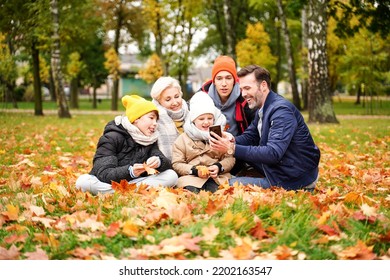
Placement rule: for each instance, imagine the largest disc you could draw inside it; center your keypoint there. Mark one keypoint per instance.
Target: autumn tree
(112, 65)
(63, 109)
(173, 25)
(320, 99)
(123, 17)
(152, 70)
(8, 71)
(364, 67)
(227, 22)
(74, 68)
(254, 49)
(289, 55)
(94, 72)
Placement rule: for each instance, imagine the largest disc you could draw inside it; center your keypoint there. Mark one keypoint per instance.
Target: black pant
(210, 185)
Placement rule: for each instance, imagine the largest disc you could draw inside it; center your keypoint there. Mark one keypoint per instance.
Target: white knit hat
(162, 84)
(201, 103)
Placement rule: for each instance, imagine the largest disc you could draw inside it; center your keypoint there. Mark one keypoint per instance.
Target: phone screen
(216, 129)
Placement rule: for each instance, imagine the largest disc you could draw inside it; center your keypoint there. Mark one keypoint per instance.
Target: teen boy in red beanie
(224, 90)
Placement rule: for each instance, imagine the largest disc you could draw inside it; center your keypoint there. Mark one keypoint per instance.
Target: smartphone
(216, 129)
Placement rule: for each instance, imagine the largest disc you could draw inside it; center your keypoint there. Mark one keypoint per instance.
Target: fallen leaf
(12, 213)
(39, 254)
(11, 254)
(358, 252)
(258, 231)
(210, 232)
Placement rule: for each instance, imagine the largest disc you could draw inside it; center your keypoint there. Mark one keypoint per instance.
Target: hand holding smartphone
(216, 129)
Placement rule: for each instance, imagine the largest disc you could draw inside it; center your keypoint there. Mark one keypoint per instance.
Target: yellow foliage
(254, 49)
(112, 63)
(152, 70)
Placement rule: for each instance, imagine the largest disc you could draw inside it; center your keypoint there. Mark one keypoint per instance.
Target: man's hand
(221, 144)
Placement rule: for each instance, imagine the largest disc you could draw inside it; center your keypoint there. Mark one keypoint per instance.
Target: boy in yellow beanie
(127, 143)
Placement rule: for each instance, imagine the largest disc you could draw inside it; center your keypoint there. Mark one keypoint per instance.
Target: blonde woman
(168, 97)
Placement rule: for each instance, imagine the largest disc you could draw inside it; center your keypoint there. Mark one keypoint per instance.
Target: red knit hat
(224, 63)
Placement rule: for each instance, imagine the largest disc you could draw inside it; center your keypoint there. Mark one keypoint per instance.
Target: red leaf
(328, 230)
(113, 229)
(258, 231)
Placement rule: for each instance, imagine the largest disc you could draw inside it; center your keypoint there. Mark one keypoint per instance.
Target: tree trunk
(358, 94)
(290, 57)
(115, 89)
(230, 28)
(74, 89)
(51, 86)
(94, 101)
(320, 101)
(305, 66)
(38, 110)
(63, 110)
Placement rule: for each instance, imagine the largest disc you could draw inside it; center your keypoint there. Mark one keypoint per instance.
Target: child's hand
(153, 162)
(138, 169)
(213, 170)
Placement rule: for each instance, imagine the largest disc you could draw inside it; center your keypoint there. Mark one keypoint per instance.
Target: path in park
(114, 113)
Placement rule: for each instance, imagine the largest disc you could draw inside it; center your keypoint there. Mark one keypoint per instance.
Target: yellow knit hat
(136, 106)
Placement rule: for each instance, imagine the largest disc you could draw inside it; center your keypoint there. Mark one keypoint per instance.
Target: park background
(65, 65)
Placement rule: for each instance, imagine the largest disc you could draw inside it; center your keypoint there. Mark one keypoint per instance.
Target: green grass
(355, 158)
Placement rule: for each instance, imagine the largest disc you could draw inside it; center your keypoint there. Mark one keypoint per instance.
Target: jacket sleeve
(282, 125)
(227, 163)
(105, 164)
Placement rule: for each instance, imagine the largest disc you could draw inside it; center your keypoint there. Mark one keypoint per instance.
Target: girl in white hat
(198, 167)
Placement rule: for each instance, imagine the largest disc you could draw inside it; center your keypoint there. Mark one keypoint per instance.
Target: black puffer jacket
(117, 150)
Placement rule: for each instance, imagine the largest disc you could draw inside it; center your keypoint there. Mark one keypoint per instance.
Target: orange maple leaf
(203, 171)
(358, 252)
(113, 229)
(258, 231)
(123, 187)
(149, 170)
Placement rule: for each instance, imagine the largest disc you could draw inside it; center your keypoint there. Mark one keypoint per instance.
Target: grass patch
(40, 209)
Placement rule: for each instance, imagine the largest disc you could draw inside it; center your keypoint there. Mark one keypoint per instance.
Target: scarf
(196, 134)
(169, 126)
(134, 131)
(229, 107)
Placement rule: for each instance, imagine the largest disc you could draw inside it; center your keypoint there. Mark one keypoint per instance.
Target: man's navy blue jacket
(286, 153)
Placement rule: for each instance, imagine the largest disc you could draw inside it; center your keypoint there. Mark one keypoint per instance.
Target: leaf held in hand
(203, 171)
(149, 170)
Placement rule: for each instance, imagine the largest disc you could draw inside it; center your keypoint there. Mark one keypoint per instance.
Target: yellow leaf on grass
(12, 212)
(130, 229)
(165, 199)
